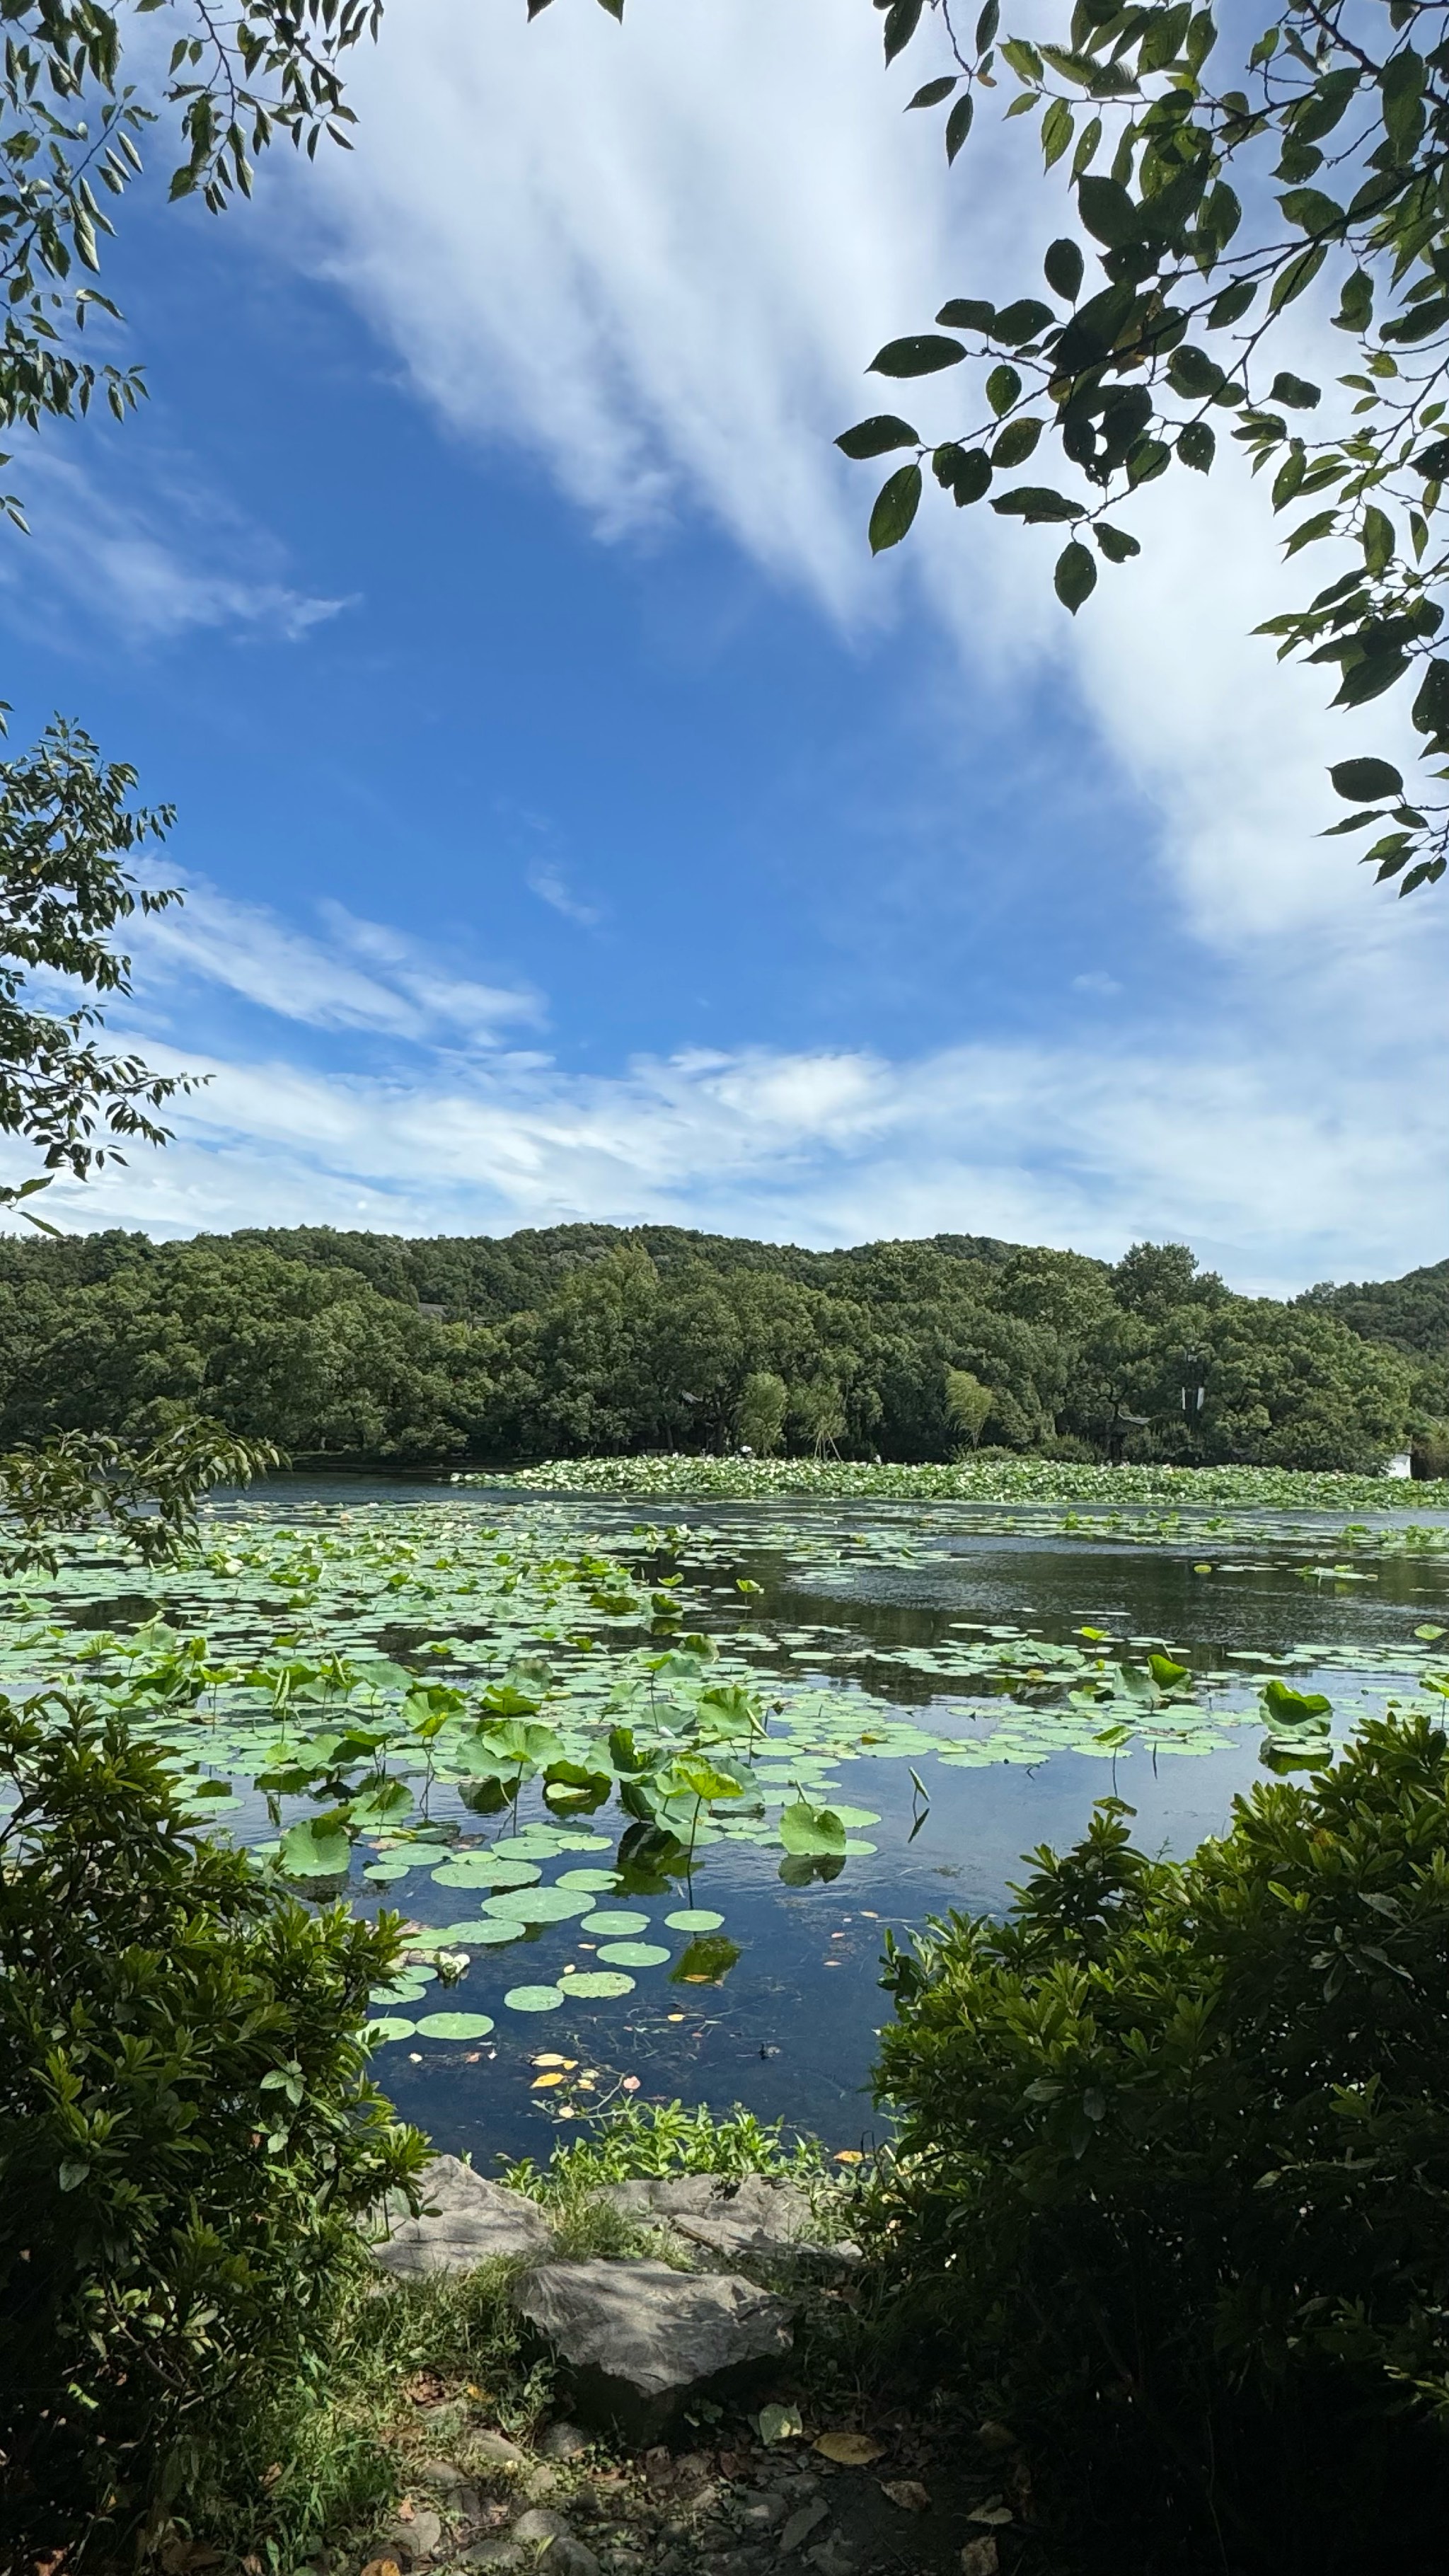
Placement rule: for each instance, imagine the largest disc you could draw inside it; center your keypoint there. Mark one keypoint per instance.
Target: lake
(956, 1684)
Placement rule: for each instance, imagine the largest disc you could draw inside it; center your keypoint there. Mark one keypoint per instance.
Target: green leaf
(1063, 268)
(1309, 532)
(1037, 505)
(1022, 321)
(1431, 706)
(1232, 304)
(924, 354)
(1377, 536)
(958, 124)
(1419, 323)
(810, 1832)
(1003, 388)
(902, 19)
(1197, 445)
(1015, 444)
(1192, 373)
(1296, 392)
(934, 91)
(877, 436)
(1075, 577)
(1368, 679)
(1057, 129)
(1023, 58)
(964, 471)
(1362, 782)
(987, 24)
(1117, 546)
(320, 1847)
(72, 2174)
(1288, 1707)
(1291, 281)
(896, 504)
(534, 1999)
(455, 2025)
(1312, 212)
(1107, 211)
(966, 313)
(601, 1985)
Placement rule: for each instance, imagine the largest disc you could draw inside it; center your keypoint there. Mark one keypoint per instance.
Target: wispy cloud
(546, 880)
(164, 559)
(364, 977)
(1283, 1150)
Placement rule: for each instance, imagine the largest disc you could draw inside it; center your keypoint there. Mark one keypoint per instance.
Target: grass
(971, 1480)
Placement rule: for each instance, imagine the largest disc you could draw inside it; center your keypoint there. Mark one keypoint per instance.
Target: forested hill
(586, 1339)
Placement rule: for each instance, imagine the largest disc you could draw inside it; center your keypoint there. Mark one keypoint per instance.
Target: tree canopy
(580, 1340)
(1216, 181)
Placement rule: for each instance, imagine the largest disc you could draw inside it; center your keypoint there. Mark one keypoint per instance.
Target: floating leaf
(538, 1905)
(533, 1999)
(811, 1833)
(695, 1918)
(451, 2025)
(600, 1984)
(615, 1926)
(633, 1954)
(391, 2026)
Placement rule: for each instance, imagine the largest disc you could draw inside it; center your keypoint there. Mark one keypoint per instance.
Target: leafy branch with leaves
(1344, 104)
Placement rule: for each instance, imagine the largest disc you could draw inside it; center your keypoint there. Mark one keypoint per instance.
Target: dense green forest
(586, 1339)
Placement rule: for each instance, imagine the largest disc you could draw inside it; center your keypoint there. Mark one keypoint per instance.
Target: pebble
(762, 2513)
(832, 2557)
(563, 2442)
(540, 2523)
(420, 2534)
(497, 2452)
(808, 2518)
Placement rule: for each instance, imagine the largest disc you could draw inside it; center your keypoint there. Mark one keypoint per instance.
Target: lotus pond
(651, 1796)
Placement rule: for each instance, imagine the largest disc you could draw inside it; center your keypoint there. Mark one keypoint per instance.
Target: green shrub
(187, 2132)
(1173, 2173)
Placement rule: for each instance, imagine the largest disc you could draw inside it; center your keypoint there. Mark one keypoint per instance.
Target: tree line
(588, 1340)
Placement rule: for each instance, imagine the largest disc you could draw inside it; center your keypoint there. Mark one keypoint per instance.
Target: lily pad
(694, 1918)
(593, 1882)
(487, 1933)
(621, 1924)
(537, 1905)
(633, 1954)
(534, 1999)
(450, 2025)
(389, 2026)
(597, 1984)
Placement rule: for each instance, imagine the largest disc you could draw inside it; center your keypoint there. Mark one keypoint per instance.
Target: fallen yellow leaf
(849, 2450)
(541, 2083)
(548, 2057)
(848, 2156)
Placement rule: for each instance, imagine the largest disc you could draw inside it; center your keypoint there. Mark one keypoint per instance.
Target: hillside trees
(627, 1352)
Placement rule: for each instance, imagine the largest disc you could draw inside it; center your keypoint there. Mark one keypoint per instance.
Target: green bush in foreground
(1173, 2176)
(187, 2133)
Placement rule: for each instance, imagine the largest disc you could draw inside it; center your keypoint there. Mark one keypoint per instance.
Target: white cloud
(366, 977)
(171, 558)
(1279, 1158)
(655, 260)
(547, 881)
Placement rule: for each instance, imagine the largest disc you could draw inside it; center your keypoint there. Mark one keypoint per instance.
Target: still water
(958, 1768)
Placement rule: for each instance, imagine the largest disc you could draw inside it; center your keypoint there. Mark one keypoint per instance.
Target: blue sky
(576, 822)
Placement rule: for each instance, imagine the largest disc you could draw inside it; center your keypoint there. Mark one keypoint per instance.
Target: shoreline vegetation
(1042, 1482)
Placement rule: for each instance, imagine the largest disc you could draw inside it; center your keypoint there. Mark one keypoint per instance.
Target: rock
(563, 2442)
(466, 2220)
(497, 2452)
(417, 2534)
(832, 2557)
(908, 2493)
(496, 2557)
(568, 2556)
(725, 2215)
(763, 2513)
(539, 2523)
(980, 2557)
(639, 2337)
(806, 2518)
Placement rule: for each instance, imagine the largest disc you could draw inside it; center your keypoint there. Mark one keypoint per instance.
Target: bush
(1173, 2176)
(187, 2133)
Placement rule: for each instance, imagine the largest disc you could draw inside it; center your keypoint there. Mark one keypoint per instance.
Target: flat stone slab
(735, 2218)
(639, 2336)
(465, 2220)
